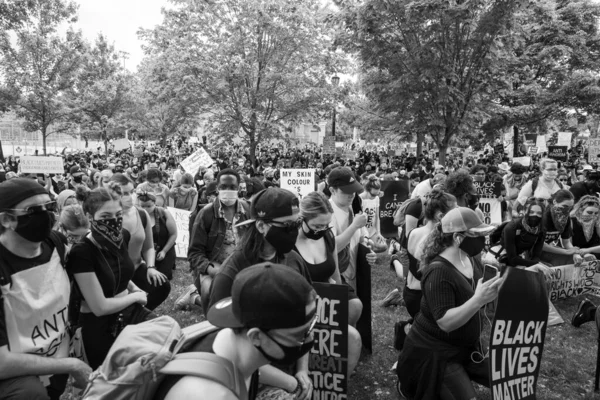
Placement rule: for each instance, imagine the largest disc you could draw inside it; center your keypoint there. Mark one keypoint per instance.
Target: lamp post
(335, 80)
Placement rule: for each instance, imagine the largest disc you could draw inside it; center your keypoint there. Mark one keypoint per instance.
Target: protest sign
(328, 359)
(499, 148)
(198, 159)
(42, 165)
(564, 139)
(594, 151)
(298, 181)
(121, 144)
(349, 155)
(138, 152)
(558, 153)
(540, 143)
(554, 317)
(517, 335)
(532, 150)
(524, 161)
(364, 325)
(182, 219)
(398, 152)
(488, 200)
(394, 194)
(329, 145)
(530, 138)
(570, 281)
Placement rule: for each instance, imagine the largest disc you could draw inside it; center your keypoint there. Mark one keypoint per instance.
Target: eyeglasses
(50, 206)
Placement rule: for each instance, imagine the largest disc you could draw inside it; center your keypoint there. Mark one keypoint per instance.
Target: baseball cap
(272, 203)
(463, 219)
(343, 179)
(15, 190)
(588, 167)
(75, 171)
(266, 296)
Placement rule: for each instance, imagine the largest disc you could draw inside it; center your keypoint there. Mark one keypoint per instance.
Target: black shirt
(516, 240)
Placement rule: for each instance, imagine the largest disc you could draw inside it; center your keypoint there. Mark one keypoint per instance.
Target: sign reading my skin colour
(298, 181)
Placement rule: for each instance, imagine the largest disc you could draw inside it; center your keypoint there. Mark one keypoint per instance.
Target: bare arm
(271, 376)
(13, 365)
(95, 299)
(148, 251)
(172, 228)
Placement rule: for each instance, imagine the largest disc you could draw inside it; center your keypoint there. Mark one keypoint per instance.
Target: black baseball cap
(343, 179)
(75, 171)
(272, 203)
(266, 296)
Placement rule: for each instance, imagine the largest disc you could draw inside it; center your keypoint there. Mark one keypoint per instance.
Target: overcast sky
(119, 20)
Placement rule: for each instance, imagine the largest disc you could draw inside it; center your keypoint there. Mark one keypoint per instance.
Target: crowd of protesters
(96, 245)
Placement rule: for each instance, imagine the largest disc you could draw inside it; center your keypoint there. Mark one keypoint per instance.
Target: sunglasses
(314, 317)
(50, 206)
(290, 225)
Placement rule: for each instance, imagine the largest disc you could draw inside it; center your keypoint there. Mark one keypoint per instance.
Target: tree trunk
(420, 139)
(515, 141)
(44, 139)
(253, 150)
(105, 141)
(442, 149)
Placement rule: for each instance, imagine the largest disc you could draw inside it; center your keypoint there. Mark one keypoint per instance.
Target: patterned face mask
(108, 232)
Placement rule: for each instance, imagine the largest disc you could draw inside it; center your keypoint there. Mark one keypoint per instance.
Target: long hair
(583, 203)
(252, 244)
(436, 242)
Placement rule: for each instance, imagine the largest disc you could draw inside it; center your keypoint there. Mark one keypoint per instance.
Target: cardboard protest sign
(570, 281)
(564, 139)
(593, 150)
(558, 153)
(517, 335)
(182, 219)
(329, 145)
(394, 194)
(524, 161)
(328, 359)
(298, 181)
(488, 200)
(499, 148)
(42, 165)
(540, 143)
(121, 144)
(196, 160)
(532, 150)
(554, 317)
(363, 291)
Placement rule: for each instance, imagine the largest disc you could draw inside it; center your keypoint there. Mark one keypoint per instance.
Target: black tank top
(322, 272)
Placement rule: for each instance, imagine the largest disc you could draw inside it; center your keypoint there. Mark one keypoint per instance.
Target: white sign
(571, 281)
(524, 161)
(121, 144)
(298, 181)
(564, 139)
(182, 219)
(540, 143)
(42, 165)
(593, 150)
(197, 160)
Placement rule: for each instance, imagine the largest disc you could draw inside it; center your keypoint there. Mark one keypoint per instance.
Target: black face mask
(312, 234)
(534, 221)
(77, 179)
(291, 354)
(472, 201)
(472, 245)
(283, 239)
(35, 227)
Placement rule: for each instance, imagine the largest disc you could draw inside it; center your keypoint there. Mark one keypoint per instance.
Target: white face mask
(228, 197)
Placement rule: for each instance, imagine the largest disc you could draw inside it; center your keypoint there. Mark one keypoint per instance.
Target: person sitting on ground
(31, 261)
(585, 223)
(558, 247)
(213, 237)
(269, 317)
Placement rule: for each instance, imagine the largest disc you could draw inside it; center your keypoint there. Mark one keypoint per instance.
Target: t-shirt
(516, 240)
(371, 209)
(415, 210)
(445, 287)
(542, 191)
(11, 264)
(422, 189)
(552, 232)
(114, 271)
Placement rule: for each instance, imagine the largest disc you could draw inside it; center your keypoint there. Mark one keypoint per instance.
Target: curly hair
(436, 242)
(95, 199)
(437, 200)
(459, 183)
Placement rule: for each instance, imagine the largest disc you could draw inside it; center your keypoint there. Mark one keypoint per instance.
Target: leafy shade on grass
(568, 360)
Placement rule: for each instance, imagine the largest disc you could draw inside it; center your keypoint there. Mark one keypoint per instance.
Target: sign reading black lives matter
(488, 200)
(328, 360)
(558, 153)
(517, 336)
(394, 194)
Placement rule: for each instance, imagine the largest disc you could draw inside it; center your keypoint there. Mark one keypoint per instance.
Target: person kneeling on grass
(269, 317)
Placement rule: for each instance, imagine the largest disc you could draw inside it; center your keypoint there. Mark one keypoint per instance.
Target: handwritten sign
(42, 165)
(121, 144)
(198, 159)
(298, 181)
(394, 194)
(182, 219)
(488, 202)
(328, 360)
(564, 139)
(571, 281)
(594, 151)
(138, 152)
(517, 336)
(329, 145)
(532, 150)
(558, 153)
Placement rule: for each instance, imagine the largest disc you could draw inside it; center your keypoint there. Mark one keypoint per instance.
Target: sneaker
(187, 299)
(585, 313)
(394, 298)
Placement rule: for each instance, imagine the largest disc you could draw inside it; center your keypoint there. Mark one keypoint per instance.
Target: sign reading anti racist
(394, 194)
(328, 359)
(42, 165)
(488, 192)
(182, 220)
(558, 153)
(517, 336)
(298, 181)
(571, 281)
(198, 159)
(594, 150)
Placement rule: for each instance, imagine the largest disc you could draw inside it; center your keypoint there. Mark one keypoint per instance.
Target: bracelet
(298, 387)
(150, 267)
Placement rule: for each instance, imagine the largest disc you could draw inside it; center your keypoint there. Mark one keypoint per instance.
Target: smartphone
(489, 272)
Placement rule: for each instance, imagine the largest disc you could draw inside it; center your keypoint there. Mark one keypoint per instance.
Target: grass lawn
(567, 368)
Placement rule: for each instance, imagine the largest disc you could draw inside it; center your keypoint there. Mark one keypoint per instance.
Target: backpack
(143, 354)
(400, 213)
(535, 181)
(496, 235)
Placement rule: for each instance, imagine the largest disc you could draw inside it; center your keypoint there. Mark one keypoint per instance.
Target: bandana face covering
(108, 233)
(560, 217)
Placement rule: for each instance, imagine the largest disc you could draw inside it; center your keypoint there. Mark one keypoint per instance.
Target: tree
(102, 91)
(552, 59)
(252, 66)
(40, 65)
(430, 62)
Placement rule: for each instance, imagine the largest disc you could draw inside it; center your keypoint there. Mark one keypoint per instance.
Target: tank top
(321, 272)
(136, 243)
